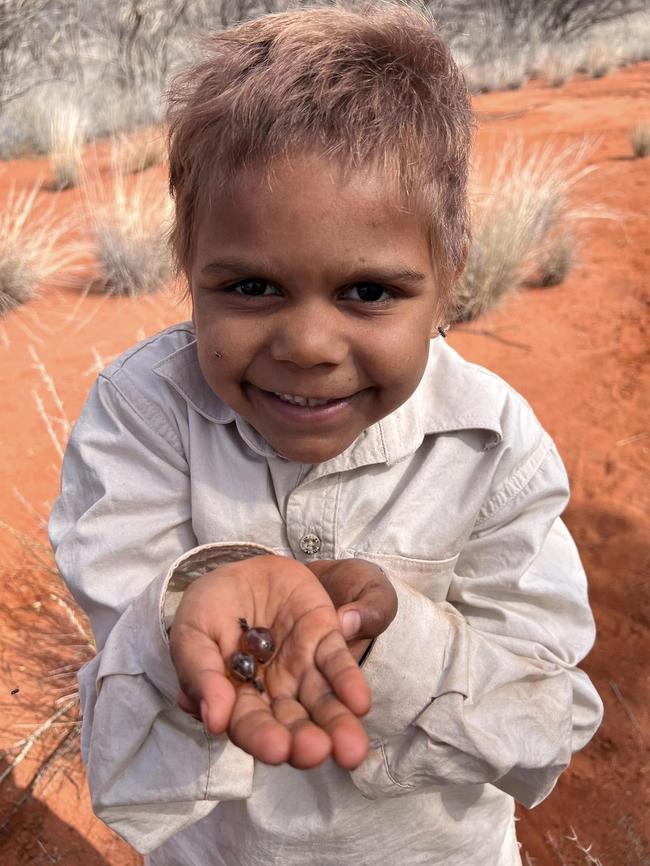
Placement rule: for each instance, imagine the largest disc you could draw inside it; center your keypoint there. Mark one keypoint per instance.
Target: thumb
(350, 620)
(362, 619)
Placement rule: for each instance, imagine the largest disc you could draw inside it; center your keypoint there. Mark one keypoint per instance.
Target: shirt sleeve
(122, 532)
(484, 688)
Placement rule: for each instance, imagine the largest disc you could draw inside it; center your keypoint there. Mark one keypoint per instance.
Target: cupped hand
(314, 690)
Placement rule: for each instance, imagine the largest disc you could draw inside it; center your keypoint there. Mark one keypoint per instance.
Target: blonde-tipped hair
(371, 87)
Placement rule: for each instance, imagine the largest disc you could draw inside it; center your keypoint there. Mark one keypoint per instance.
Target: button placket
(309, 518)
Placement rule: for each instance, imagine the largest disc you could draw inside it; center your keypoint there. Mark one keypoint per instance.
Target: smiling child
(308, 456)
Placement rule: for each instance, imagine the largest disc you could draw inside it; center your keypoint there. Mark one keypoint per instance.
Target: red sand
(577, 352)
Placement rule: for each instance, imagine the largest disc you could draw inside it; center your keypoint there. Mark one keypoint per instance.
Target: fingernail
(351, 623)
(204, 712)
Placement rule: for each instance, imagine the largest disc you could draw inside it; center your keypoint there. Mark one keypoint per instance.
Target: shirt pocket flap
(431, 577)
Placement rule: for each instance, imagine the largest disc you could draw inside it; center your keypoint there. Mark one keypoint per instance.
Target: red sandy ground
(577, 352)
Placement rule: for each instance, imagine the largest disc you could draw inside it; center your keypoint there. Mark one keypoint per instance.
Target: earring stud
(442, 332)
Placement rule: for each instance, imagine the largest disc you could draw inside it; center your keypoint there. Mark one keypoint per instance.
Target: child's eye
(369, 293)
(254, 288)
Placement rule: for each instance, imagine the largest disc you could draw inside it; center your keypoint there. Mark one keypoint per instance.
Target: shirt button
(310, 544)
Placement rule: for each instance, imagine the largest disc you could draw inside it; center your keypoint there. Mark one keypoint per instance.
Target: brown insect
(256, 646)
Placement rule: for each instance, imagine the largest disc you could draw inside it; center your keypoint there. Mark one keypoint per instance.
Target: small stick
(589, 857)
(51, 389)
(628, 711)
(59, 749)
(483, 332)
(33, 738)
(629, 439)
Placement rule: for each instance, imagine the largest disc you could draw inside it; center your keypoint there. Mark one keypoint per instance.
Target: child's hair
(371, 87)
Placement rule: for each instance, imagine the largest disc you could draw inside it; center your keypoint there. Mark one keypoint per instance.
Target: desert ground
(578, 352)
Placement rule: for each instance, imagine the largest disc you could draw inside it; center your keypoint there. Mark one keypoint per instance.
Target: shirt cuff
(407, 667)
(197, 562)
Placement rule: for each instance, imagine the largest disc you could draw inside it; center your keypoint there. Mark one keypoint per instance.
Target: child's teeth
(301, 401)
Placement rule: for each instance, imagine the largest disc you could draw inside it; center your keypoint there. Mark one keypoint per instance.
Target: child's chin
(310, 452)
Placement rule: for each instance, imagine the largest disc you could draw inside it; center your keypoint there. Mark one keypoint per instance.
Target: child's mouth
(302, 408)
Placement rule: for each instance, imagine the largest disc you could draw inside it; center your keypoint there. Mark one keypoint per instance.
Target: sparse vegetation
(31, 248)
(140, 151)
(130, 220)
(504, 43)
(558, 66)
(117, 59)
(556, 258)
(67, 138)
(52, 638)
(641, 140)
(522, 216)
(599, 59)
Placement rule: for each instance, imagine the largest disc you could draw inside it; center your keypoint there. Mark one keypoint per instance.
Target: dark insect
(15, 691)
(243, 667)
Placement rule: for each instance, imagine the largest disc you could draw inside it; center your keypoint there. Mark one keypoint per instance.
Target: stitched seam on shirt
(513, 485)
(170, 438)
(335, 517)
(383, 440)
(119, 365)
(388, 772)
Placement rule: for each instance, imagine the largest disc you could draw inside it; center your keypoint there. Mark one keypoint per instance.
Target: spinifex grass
(140, 151)
(130, 221)
(641, 140)
(519, 213)
(66, 145)
(47, 639)
(33, 247)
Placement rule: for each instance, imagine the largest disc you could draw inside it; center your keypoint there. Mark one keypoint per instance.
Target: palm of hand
(314, 690)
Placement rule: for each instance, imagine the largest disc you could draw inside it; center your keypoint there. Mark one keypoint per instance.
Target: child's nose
(308, 337)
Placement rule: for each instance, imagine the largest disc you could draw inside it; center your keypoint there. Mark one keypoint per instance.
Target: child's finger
(349, 739)
(255, 730)
(202, 677)
(310, 745)
(341, 671)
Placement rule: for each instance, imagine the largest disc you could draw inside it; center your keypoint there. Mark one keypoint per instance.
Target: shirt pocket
(431, 577)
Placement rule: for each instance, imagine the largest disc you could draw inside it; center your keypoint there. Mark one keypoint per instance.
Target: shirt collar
(448, 399)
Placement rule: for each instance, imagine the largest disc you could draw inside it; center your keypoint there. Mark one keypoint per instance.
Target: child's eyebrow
(236, 266)
(368, 272)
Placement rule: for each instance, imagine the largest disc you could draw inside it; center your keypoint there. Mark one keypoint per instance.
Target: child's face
(318, 288)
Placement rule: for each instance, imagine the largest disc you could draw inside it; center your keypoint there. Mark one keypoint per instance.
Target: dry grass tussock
(641, 140)
(139, 151)
(34, 249)
(45, 640)
(599, 59)
(66, 145)
(525, 225)
(130, 218)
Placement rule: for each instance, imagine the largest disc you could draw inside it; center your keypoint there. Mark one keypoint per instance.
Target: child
(305, 457)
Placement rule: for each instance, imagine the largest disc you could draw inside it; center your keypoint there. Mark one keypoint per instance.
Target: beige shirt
(476, 696)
